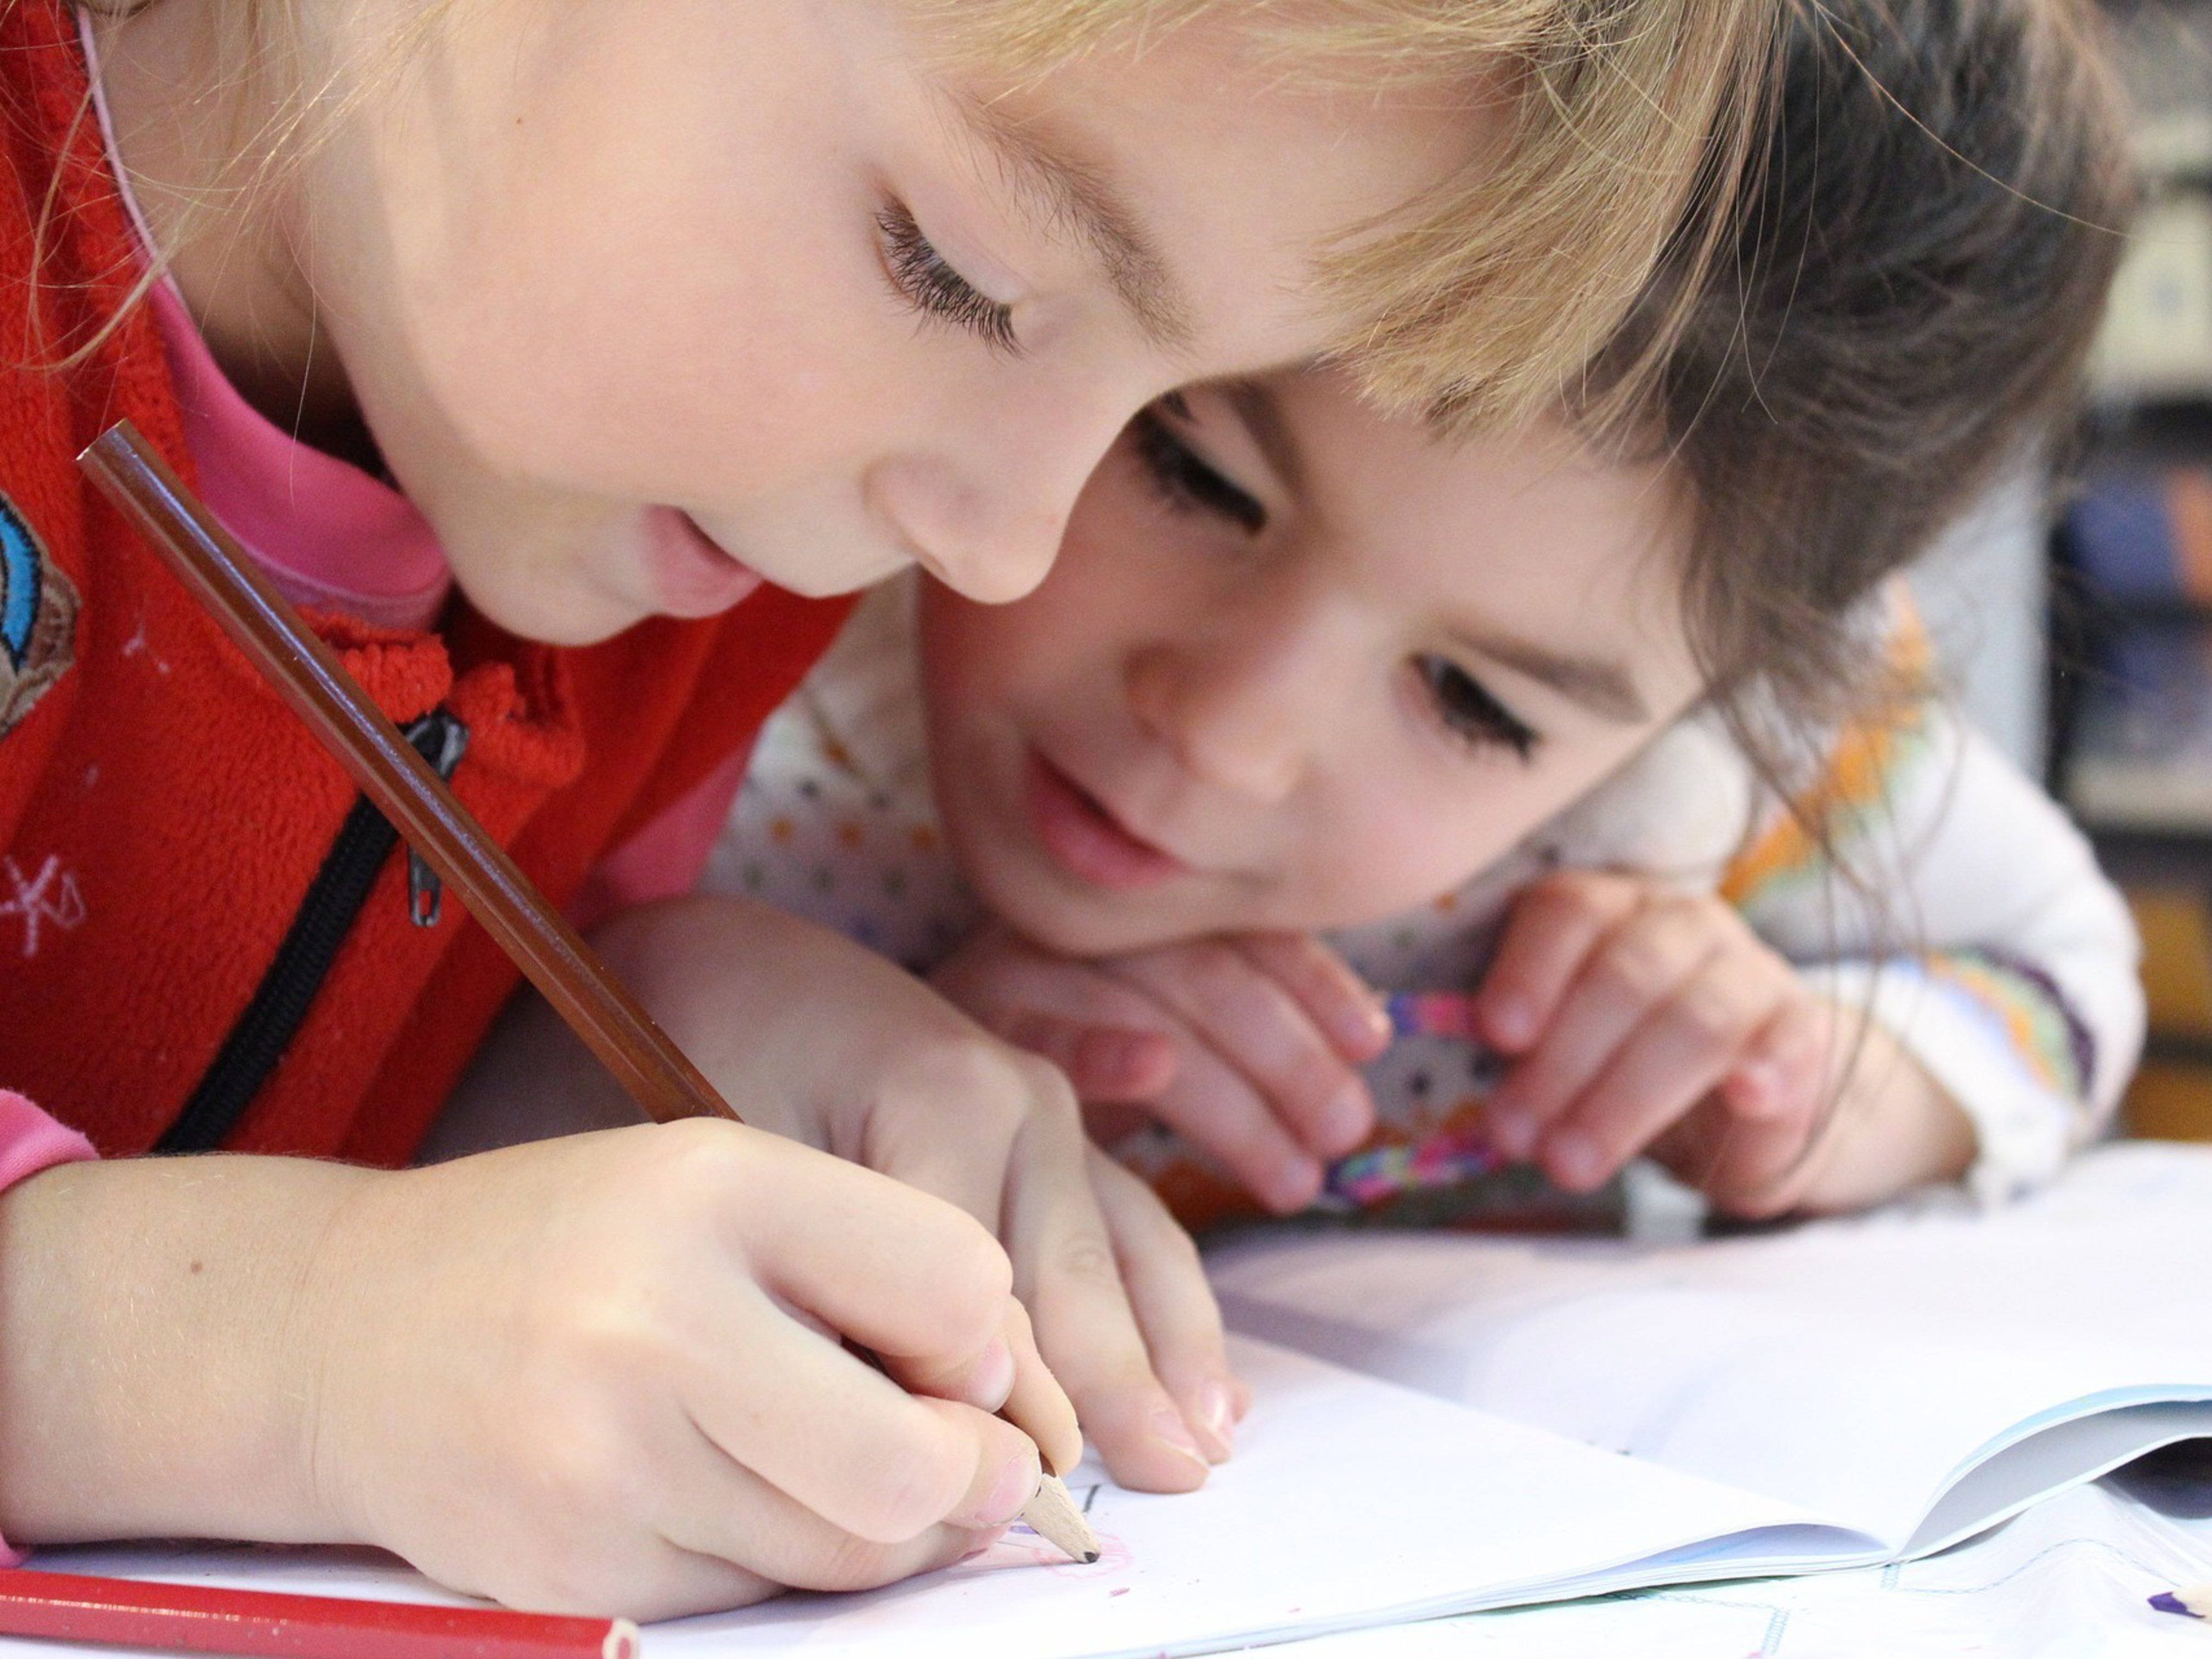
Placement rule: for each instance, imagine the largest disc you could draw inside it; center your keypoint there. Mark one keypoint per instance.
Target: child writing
(524, 346)
(1301, 668)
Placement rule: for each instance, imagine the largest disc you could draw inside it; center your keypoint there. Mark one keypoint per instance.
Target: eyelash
(935, 288)
(1469, 712)
(1461, 702)
(1187, 483)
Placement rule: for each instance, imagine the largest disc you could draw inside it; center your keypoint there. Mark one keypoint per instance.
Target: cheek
(609, 382)
(1410, 834)
(1402, 851)
(691, 329)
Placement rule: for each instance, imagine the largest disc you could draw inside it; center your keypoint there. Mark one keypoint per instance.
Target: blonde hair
(1630, 121)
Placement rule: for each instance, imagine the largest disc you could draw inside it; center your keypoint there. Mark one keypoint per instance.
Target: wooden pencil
(309, 677)
(329, 701)
(71, 1606)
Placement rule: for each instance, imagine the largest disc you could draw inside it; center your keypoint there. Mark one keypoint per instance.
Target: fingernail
(1217, 1416)
(1366, 1030)
(992, 1382)
(1295, 1185)
(1511, 1130)
(1572, 1161)
(1170, 1429)
(1347, 1117)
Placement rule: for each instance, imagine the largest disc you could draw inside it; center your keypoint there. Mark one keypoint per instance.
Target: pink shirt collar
(329, 534)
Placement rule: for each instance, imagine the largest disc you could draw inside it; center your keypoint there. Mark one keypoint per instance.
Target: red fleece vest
(161, 814)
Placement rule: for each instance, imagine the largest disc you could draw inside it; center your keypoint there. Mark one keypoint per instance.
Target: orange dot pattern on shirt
(811, 834)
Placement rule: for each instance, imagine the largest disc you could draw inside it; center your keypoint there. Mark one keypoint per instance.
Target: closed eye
(1185, 479)
(924, 279)
(1468, 711)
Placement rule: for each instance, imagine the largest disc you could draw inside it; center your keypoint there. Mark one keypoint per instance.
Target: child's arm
(601, 1373)
(820, 1040)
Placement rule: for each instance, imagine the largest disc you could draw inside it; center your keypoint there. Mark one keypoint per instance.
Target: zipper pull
(440, 739)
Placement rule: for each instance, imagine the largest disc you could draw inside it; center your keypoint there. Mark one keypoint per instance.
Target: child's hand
(810, 1034)
(1644, 1020)
(600, 1373)
(1248, 1046)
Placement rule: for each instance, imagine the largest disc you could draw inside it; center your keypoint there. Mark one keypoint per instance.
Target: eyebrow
(1603, 688)
(1078, 197)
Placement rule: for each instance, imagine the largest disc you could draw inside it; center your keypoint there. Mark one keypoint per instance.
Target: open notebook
(1448, 1423)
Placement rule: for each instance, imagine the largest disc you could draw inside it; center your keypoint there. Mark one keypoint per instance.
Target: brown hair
(1919, 258)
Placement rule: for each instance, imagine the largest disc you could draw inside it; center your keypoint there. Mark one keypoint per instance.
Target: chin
(546, 614)
(1104, 926)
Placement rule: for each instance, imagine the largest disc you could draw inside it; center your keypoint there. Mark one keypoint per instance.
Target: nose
(1244, 708)
(985, 513)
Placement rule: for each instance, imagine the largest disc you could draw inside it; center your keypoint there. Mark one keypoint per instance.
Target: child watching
(1300, 668)
(524, 343)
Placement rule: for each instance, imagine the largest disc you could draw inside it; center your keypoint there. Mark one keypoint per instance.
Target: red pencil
(199, 1619)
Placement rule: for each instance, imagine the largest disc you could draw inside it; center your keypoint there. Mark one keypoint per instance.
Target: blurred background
(2085, 645)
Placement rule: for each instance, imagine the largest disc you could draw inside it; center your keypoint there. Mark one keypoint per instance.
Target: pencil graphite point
(1052, 1516)
(2167, 1602)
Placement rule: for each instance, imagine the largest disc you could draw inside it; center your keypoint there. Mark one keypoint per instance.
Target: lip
(693, 574)
(1085, 838)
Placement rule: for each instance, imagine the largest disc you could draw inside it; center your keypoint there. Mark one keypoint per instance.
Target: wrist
(1894, 1127)
(162, 1349)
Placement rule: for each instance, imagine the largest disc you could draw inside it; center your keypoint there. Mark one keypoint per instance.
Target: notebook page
(1350, 1503)
(1852, 1369)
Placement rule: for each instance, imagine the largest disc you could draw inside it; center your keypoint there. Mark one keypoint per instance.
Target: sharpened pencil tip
(1088, 1556)
(2167, 1602)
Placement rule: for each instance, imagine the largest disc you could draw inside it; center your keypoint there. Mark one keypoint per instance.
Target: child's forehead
(1319, 423)
(1538, 523)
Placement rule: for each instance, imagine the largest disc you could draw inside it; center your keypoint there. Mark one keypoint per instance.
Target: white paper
(1842, 1377)
(1853, 1370)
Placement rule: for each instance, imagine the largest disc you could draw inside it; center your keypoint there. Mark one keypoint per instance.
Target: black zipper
(326, 914)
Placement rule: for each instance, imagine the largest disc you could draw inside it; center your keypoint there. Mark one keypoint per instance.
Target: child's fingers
(1340, 1003)
(842, 1439)
(1260, 1030)
(897, 1270)
(1113, 1065)
(948, 1119)
(1671, 1060)
(721, 1509)
(1036, 1403)
(1782, 1068)
(1217, 1109)
(1553, 929)
(1174, 1305)
(1106, 1036)
(1758, 1164)
(1636, 968)
(1071, 1280)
